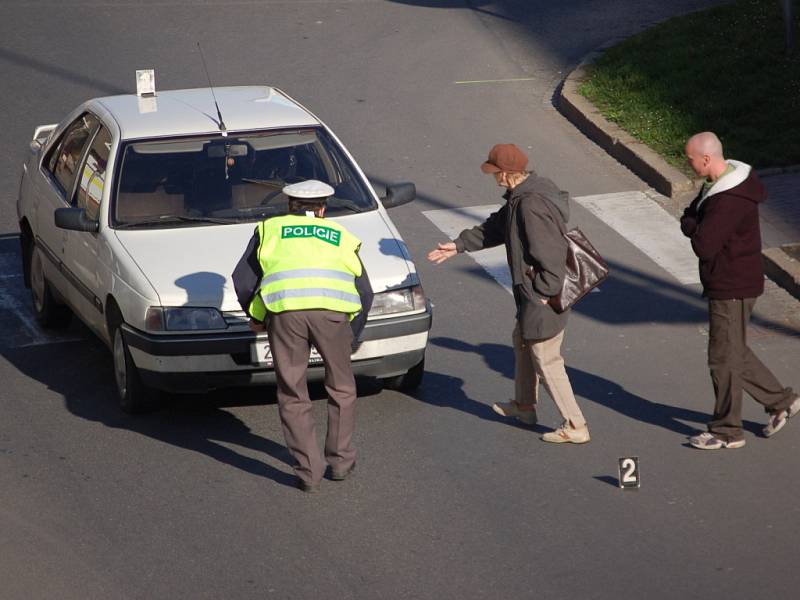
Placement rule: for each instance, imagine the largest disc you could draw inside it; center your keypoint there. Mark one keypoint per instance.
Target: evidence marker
(629, 473)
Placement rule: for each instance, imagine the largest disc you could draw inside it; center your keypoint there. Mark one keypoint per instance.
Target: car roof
(192, 111)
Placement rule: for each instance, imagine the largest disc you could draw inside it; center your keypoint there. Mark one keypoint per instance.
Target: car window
(233, 179)
(93, 174)
(64, 158)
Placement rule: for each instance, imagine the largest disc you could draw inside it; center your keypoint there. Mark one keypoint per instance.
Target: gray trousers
(734, 368)
(290, 335)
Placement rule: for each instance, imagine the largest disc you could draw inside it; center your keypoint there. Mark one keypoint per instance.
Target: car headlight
(397, 301)
(186, 318)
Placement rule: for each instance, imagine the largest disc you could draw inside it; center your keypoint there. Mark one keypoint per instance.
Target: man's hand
(257, 327)
(442, 252)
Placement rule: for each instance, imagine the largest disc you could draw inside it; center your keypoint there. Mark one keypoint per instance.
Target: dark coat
(726, 237)
(530, 224)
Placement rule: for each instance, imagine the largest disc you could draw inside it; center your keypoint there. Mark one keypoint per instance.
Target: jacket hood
(541, 186)
(741, 182)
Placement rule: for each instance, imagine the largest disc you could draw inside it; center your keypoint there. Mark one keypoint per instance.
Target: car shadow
(196, 422)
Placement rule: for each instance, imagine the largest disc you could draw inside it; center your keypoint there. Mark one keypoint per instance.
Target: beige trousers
(537, 360)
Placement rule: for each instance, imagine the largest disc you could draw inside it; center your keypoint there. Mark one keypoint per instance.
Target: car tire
(408, 381)
(49, 312)
(134, 396)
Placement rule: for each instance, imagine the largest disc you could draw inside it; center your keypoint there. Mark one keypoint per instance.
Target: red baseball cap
(505, 157)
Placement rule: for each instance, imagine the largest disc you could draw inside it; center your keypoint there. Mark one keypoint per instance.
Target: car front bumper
(200, 362)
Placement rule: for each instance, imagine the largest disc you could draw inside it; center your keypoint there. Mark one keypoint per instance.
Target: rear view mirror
(398, 194)
(75, 219)
(223, 150)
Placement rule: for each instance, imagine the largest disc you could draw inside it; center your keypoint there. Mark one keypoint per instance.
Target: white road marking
(454, 220)
(8, 301)
(650, 228)
(497, 80)
(631, 214)
(11, 293)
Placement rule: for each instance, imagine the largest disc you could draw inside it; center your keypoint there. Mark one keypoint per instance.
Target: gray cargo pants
(734, 368)
(290, 335)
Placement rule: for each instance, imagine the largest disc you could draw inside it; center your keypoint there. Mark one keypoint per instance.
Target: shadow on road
(447, 391)
(500, 359)
(82, 372)
(59, 72)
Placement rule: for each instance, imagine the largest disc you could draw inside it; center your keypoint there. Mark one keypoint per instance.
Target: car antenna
(221, 123)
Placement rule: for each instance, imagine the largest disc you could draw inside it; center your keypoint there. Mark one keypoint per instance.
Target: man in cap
(530, 224)
(302, 280)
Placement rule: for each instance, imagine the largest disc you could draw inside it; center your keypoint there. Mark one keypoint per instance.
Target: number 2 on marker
(629, 472)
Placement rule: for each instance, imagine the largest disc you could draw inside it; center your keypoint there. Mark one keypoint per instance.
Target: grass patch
(722, 70)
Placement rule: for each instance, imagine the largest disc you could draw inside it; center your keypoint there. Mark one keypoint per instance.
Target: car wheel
(134, 396)
(408, 381)
(48, 311)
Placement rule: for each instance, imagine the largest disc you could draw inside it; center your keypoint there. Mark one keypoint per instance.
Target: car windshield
(189, 181)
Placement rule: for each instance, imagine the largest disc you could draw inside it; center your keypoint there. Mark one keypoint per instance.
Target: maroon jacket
(726, 235)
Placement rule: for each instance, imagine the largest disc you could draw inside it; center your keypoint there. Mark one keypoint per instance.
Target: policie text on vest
(326, 234)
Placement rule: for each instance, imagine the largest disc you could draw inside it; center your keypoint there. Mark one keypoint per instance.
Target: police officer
(302, 280)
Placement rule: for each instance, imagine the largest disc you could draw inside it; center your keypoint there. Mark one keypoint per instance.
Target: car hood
(192, 266)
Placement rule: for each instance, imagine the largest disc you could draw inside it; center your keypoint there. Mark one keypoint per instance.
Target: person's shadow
(500, 358)
(446, 391)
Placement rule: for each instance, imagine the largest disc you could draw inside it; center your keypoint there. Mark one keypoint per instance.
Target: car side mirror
(398, 194)
(75, 219)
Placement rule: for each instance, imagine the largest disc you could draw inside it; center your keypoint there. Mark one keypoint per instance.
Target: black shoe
(342, 475)
(308, 488)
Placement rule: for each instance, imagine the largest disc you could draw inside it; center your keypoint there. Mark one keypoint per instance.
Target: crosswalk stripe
(14, 298)
(649, 227)
(453, 221)
(631, 214)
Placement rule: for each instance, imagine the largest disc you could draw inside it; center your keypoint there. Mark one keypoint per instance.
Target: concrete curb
(635, 155)
(783, 268)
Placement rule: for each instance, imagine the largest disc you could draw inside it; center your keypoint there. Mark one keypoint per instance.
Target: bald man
(723, 226)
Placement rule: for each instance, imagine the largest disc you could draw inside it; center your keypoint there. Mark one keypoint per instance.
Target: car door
(82, 247)
(53, 189)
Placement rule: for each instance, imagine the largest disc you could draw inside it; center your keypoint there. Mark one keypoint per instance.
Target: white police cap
(308, 189)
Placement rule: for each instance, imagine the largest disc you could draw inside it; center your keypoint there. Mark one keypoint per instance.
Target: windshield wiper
(335, 202)
(174, 219)
(267, 182)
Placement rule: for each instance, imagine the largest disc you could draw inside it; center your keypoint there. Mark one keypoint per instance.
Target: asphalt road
(449, 501)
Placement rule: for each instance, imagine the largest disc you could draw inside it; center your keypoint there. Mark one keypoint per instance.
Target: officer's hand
(442, 252)
(257, 327)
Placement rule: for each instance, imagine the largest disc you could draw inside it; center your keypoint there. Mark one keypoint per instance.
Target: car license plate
(261, 354)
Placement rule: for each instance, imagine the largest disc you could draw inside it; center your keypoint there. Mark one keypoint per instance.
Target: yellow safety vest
(308, 263)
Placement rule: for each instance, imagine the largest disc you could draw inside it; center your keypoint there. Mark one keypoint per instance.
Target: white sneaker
(708, 441)
(567, 434)
(778, 420)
